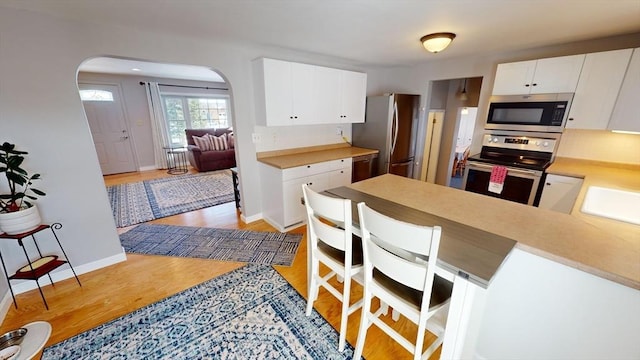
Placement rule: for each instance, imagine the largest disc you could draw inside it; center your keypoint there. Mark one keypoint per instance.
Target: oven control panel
(520, 142)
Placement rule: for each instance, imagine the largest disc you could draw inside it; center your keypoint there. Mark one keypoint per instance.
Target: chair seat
(338, 255)
(440, 292)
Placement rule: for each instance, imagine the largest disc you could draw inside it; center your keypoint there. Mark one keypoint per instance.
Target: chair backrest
(329, 220)
(381, 235)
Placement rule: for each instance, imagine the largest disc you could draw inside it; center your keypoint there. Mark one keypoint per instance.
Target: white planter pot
(21, 221)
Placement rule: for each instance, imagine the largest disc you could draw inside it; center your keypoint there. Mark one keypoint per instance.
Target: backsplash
(289, 137)
(600, 145)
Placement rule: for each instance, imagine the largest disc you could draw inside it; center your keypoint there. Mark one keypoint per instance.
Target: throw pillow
(219, 142)
(230, 140)
(203, 142)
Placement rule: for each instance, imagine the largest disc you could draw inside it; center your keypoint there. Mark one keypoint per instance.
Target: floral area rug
(143, 201)
(261, 247)
(248, 313)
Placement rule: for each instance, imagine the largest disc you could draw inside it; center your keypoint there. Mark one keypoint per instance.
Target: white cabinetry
(598, 87)
(560, 193)
(285, 92)
(289, 93)
(551, 75)
(282, 189)
(626, 115)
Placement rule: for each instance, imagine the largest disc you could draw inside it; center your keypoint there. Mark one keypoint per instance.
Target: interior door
(109, 130)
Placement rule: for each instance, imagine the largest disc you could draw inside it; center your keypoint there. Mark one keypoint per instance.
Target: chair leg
(385, 308)
(417, 352)
(364, 325)
(313, 286)
(346, 291)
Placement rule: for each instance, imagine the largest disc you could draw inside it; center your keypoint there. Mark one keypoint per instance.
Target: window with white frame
(194, 112)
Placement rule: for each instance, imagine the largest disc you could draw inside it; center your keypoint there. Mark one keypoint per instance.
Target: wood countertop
(305, 156)
(563, 238)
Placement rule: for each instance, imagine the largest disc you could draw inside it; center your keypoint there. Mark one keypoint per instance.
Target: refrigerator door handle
(395, 132)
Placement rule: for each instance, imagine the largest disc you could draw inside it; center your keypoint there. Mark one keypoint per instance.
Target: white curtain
(158, 124)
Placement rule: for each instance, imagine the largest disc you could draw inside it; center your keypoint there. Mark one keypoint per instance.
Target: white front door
(109, 128)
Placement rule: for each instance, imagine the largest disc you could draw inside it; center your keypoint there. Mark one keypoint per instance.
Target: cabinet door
(353, 96)
(327, 95)
(340, 177)
(303, 94)
(626, 116)
(514, 78)
(278, 92)
(560, 193)
(598, 87)
(294, 211)
(557, 75)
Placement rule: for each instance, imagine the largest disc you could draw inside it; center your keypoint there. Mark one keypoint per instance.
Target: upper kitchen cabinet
(284, 92)
(342, 95)
(353, 96)
(551, 75)
(598, 88)
(289, 93)
(626, 116)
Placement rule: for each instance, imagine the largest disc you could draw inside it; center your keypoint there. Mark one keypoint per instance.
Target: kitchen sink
(622, 205)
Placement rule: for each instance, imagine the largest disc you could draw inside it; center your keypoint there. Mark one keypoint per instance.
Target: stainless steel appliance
(391, 123)
(540, 112)
(526, 156)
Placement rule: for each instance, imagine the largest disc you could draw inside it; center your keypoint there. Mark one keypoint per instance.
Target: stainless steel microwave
(540, 112)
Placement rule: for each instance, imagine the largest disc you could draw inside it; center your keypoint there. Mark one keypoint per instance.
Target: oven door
(520, 185)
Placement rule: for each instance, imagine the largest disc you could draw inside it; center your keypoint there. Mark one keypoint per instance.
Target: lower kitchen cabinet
(282, 189)
(560, 193)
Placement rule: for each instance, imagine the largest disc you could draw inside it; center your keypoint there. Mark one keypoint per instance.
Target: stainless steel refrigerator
(390, 126)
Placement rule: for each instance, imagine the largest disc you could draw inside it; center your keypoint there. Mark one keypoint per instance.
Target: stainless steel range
(525, 157)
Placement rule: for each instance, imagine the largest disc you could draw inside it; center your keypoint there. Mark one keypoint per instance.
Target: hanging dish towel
(496, 182)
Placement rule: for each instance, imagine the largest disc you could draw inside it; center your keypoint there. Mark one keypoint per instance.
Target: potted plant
(17, 213)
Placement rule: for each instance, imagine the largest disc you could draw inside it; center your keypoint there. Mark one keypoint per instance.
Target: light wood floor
(116, 290)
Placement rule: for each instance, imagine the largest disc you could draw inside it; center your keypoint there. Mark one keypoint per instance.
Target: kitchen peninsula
(567, 289)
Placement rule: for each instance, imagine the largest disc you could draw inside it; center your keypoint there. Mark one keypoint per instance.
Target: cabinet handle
(310, 184)
(570, 119)
(548, 184)
(308, 166)
(526, 85)
(534, 84)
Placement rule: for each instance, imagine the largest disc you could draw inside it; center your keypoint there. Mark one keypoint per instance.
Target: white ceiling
(368, 32)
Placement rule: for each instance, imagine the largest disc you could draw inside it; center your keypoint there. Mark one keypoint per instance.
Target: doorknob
(124, 137)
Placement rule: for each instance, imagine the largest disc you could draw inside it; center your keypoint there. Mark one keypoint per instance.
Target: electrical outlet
(339, 130)
(256, 138)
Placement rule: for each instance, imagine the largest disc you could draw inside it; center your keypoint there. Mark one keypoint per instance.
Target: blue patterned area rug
(248, 313)
(261, 247)
(144, 201)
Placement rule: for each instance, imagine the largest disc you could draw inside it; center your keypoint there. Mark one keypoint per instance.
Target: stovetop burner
(516, 161)
(516, 150)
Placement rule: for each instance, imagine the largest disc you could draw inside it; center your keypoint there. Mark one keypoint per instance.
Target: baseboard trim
(5, 304)
(250, 219)
(148, 168)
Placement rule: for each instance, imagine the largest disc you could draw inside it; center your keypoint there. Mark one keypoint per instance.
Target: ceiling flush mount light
(437, 42)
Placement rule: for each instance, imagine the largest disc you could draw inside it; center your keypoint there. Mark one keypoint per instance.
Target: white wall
(539, 309)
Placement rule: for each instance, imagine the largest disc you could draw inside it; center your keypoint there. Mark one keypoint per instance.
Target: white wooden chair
(408, 284)
(331, 241)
